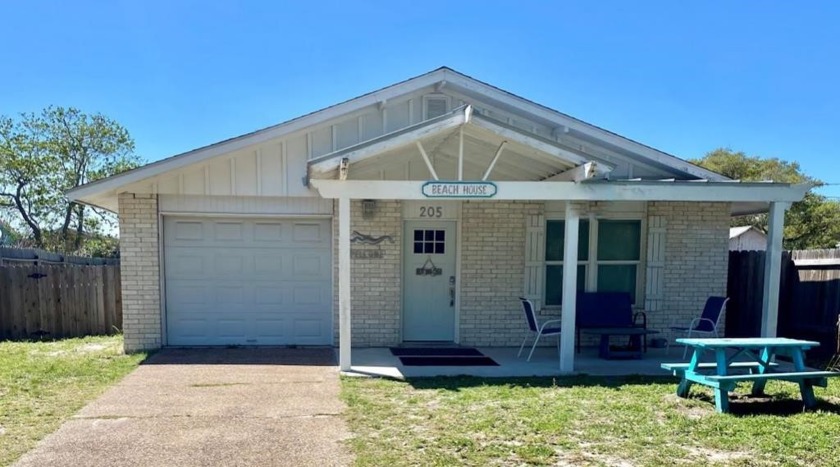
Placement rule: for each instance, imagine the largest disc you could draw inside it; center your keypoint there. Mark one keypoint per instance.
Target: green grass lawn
(44, 383)
(584, 421)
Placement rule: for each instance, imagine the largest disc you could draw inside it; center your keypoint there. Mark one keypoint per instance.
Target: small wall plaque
(358, 253)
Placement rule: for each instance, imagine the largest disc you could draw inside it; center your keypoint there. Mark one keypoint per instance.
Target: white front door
(429, 281)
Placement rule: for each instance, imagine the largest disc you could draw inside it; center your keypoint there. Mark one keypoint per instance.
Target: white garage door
(247, 282)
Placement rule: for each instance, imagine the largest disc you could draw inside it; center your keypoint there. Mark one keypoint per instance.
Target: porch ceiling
(397, 156)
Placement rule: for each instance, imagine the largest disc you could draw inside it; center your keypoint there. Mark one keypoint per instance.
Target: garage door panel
(229, 263)
(308, 266)
(228, 295)
(187, 293)
(268, 295)
(307, 295)
(308, 328)
(269, 263)
(308, 233)
(271, 327)
(232, 328)
(187, 230)
(271, 232)
(187, 263)
(248, 282)
(228, 231)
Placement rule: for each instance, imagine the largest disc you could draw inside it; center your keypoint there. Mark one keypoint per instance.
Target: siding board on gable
(193, 183)
(347, 133)
(246, 174)
(371, 125)
(219, 178)
(398, 116)
(322, 141)
(271, 166)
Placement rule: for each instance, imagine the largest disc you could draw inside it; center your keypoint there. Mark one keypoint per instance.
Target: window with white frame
(609, 257)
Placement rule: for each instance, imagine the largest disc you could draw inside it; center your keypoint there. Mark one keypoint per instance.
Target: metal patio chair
(706, 324)
(547, 329)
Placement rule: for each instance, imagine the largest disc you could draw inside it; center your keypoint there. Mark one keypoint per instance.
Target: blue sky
(686, 77)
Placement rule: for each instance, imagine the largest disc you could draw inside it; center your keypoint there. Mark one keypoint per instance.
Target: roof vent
(435, 105)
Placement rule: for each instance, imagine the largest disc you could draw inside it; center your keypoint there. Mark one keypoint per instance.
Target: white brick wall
(376, 293)
(492, 271)
(493, 243)
(696, 260)
(140, 271)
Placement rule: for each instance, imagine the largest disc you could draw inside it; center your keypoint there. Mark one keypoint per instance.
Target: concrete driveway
(210, 407)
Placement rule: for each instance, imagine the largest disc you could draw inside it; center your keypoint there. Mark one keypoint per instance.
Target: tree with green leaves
(811, 223)
(43, 155)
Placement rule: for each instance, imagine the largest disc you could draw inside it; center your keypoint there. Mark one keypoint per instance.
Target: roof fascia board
(527, 106)
(522, 137)
(257, 137)
(571, 191)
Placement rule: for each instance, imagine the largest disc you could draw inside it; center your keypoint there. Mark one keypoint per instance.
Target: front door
(429, 281)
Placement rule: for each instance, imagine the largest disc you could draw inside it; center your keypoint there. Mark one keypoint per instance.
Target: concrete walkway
(210, 407)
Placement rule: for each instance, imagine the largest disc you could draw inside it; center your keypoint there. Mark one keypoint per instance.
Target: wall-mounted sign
(366, 254)
(459, 189)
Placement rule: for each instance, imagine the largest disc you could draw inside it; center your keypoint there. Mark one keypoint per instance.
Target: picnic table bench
(760, 367)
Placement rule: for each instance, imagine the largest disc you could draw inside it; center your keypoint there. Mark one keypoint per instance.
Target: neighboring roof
(441, 75)
(738, 231)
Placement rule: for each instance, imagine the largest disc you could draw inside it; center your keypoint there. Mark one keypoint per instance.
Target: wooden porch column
(344, 284)
(567, 317)
(773, 269)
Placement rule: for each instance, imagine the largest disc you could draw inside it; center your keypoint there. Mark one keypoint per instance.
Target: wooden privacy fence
(809, 297)
(55, 301)
(38, 256)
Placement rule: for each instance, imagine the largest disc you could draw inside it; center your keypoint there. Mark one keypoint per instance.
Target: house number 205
(431, 211)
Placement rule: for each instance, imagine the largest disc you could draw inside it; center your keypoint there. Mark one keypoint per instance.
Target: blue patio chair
(707, 323)
(548, 328)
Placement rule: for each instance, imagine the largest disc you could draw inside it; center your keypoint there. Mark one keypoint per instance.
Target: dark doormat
(448, 361)
(435, 352)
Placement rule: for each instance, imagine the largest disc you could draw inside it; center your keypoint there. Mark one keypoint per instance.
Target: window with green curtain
(555, 235)
(554, 283)
(616, 262)
(619, 252)
(619, 240)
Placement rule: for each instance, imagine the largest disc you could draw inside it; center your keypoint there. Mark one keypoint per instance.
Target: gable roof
(438, 78)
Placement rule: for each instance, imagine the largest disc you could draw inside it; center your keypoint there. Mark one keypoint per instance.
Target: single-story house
(747, 238)
(420, 212)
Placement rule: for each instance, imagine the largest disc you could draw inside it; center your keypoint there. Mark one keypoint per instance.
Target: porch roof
(489, 147)
(463, 146)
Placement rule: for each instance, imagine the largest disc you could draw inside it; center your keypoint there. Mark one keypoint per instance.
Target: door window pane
(554, 283)
(430, 242)
(555, 234)
(619, 240)
(617, 278)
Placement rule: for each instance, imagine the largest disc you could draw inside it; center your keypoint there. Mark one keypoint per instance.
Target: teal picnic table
(749, 360)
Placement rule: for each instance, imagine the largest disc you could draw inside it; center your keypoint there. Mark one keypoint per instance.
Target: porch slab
(379, 361)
